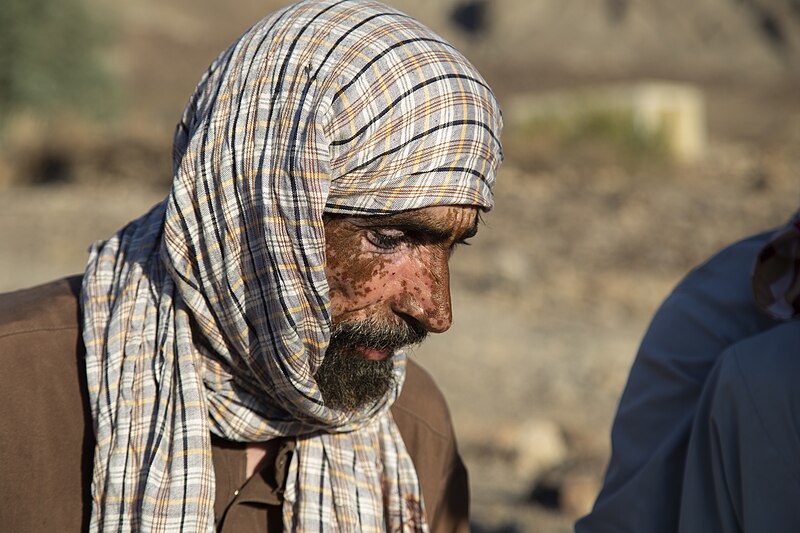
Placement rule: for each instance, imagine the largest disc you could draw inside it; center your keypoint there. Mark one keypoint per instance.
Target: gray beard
(348, 381)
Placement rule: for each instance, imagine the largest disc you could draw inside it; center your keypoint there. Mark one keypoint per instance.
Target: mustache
(378, 334)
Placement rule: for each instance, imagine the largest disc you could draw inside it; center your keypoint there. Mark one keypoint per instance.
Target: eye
(386, 239)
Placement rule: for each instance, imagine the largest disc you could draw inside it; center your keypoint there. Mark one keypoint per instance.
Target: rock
(536, 445)
(662, 113)
(577, 494)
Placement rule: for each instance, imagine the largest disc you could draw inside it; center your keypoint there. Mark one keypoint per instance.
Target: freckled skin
(408, 278)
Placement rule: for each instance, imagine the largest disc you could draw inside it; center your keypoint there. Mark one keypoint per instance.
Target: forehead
(445, 221)
(442, 215)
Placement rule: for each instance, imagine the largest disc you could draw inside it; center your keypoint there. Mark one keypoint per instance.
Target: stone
(578, 493)
(536, 445)
(673, 112)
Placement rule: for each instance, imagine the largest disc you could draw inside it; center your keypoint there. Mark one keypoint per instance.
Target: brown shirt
(47, 442)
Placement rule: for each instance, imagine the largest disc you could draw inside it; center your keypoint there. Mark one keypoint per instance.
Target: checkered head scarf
(210, 314)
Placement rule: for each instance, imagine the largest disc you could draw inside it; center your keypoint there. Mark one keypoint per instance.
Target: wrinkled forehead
(439, 223)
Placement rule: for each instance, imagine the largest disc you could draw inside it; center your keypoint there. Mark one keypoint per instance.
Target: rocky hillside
(736, 40)
(164, 46)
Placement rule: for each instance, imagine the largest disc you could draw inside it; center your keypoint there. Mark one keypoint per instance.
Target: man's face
(389, 283)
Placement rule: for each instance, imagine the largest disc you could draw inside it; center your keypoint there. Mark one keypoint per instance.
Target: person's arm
(452, 512)
(46, 440)
(743, 467)
(711, 309)
(423, 418)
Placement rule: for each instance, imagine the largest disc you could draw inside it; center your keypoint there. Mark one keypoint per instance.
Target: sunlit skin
(392, 267)
(395, 267)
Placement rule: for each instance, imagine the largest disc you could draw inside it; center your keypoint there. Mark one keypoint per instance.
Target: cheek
(367, 280)
(358, 279)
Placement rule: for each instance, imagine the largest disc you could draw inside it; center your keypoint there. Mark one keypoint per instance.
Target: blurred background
(640, 138)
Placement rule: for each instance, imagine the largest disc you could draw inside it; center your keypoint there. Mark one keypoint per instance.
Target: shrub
(50, 58)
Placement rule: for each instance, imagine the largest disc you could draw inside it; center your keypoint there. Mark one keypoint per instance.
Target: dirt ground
(550, 301)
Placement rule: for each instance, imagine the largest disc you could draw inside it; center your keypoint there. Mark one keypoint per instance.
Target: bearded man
(232, 359)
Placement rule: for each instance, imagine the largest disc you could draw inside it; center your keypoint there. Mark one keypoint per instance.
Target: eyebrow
(432, 230)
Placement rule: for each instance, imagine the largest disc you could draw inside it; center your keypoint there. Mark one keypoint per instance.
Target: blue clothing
(684, 354)
(743, 461)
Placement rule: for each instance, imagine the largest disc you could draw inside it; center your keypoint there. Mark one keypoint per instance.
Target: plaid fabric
(211, 312)
(776, 275)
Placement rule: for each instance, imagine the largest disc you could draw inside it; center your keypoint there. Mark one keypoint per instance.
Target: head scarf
(776, 274)
(210, 314)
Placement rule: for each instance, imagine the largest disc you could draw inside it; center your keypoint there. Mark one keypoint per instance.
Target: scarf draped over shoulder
(776, 272)
(210, 314)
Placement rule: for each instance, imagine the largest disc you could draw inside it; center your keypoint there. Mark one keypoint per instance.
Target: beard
(348, 381)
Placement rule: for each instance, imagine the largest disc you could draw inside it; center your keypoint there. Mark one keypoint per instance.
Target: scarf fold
(210, 313)
(776, 273)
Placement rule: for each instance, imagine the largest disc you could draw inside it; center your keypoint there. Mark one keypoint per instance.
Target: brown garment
(47, 442)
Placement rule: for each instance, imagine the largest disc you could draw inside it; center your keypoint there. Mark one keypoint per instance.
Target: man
(707, 435)
(241, 341)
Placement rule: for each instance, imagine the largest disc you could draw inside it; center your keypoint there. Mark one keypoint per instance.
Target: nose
(425, 296)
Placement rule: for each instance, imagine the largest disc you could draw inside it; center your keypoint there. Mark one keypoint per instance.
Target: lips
(372, 339)
(373, 354)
